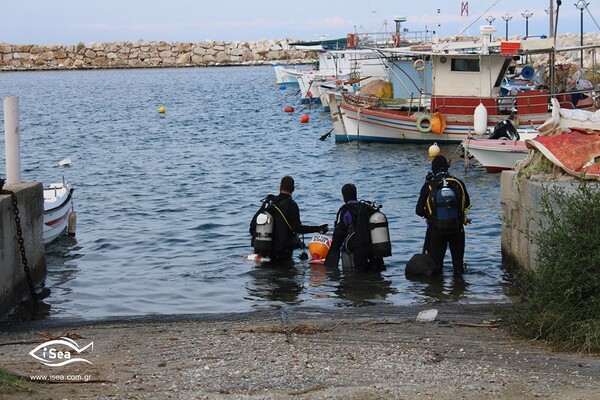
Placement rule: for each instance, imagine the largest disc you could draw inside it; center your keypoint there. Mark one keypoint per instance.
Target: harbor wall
(148, 54)
(522, 216)
(13, 281)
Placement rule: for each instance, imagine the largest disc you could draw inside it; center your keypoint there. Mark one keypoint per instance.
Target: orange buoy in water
(318, 247)
(304, 119)
(288, 109)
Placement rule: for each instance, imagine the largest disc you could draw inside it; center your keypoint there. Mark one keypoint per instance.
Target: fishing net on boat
(378, 88)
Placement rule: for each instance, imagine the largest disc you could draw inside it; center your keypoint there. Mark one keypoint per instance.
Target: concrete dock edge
(13, 281)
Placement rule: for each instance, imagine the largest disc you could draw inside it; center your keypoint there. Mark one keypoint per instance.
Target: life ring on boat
(427, 127)
(419, 65)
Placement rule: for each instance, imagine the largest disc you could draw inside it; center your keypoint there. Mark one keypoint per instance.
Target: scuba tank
(380, 235)
(263, 237)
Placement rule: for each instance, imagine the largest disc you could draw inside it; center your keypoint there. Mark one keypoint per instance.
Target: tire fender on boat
(419, 65)
(427, 127)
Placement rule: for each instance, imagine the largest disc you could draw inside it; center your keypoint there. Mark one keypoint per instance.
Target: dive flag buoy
(304, 119)
(318, 247)
(288, 109)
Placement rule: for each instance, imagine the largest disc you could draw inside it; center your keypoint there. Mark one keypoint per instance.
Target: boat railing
(533, 101)
(387, 39)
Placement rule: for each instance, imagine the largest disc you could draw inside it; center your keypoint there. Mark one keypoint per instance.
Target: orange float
(288, 109)
(318, 248)
(304, 119)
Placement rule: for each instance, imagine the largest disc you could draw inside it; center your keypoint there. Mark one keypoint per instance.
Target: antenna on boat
(464, 14)
(398, 21)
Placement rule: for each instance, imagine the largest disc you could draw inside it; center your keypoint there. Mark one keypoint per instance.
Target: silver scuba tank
(380, 235)
(263, 237)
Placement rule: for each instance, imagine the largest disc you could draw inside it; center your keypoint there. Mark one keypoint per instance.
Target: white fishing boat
(288, 74)
(343, 70)
(458, 88)
(496, 155)
(501, 150)
(58, 199)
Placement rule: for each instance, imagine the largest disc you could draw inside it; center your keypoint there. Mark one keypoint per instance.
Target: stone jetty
(148, 54)
(155, 54)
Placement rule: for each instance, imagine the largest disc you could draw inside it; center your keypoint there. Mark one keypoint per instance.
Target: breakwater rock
(153, 54)
(148, 54)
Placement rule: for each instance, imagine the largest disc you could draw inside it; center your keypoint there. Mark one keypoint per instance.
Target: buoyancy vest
(446, 203)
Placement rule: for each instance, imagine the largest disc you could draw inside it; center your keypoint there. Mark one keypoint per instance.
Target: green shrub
(561, 298)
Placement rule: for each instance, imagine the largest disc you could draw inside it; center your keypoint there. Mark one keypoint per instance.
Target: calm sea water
(164, 200)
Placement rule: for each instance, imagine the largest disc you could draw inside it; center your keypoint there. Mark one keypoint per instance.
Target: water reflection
(364, 288)
(299, 282)
(61, 255)
(277, 283)
(441, 288)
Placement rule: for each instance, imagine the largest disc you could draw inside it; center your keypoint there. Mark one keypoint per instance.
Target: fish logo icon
(59, 352)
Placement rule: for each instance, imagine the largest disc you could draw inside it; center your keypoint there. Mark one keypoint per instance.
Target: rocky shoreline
(148, 54)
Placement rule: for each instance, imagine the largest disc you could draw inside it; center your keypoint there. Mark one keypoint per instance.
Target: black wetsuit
(286, 227)
(436, 240)
(360, 251)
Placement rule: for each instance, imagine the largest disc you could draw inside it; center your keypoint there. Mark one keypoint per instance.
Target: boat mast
(551, 15)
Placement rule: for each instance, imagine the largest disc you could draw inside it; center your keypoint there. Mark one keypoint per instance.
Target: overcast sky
(74, 21)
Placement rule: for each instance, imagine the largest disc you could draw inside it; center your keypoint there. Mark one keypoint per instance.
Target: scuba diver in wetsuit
(286, 224)
(352, 237)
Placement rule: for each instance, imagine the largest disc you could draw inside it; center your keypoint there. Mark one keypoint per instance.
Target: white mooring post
(12, 140)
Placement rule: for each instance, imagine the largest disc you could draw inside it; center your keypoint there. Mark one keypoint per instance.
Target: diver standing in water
(275, 226)
(443, 202)
(360, 236)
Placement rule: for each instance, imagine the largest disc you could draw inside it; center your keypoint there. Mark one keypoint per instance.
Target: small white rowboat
(57, 207)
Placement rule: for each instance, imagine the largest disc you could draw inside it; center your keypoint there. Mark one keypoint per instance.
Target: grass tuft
(9, 384)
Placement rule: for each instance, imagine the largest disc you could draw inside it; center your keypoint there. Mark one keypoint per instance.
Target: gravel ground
(370, 353)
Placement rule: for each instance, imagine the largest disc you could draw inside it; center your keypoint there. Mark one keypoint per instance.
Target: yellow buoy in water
(434, 150)
(161, 109)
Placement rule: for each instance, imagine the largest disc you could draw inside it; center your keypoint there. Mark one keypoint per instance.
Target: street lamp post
(526, 14)
(507, 18)
(490, 19)
(582, 5)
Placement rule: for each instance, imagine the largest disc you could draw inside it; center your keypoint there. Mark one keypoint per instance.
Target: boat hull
(57, 206)
(392, 124)
(496, 155)
(379, 125)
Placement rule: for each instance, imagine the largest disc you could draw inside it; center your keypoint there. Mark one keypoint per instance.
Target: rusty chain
(20, 240)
